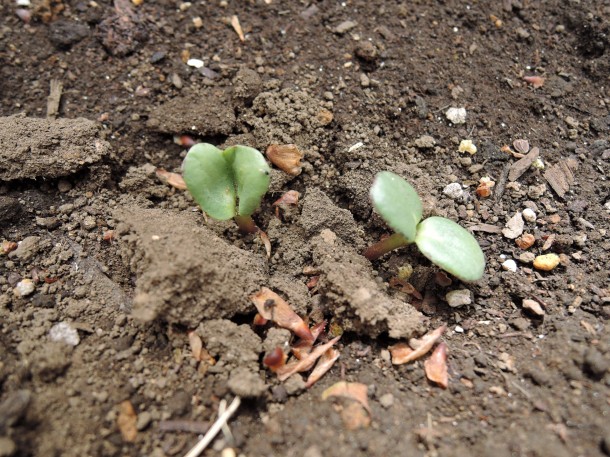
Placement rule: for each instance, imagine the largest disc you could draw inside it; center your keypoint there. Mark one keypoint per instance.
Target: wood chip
(522, 165)
(54, 98)
(237, 27)
(487, 228)
(560, 176)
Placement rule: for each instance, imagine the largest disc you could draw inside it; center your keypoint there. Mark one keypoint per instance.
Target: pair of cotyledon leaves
(232, 183)
(441, 240)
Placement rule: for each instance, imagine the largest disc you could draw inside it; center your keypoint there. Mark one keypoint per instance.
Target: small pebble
(386, 400)
(456, 115)
(157, 56)
(457, 298)
(529, 215)
(458, 329)
(197, 63)
(509, 265)
(345, 26)
(63, 332)
(24, 288)
(467, 146)
(533, 306)
(454, 190)
(527, 257)
(546, 262)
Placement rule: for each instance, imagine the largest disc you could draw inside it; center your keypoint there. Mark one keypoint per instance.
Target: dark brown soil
(130, 266)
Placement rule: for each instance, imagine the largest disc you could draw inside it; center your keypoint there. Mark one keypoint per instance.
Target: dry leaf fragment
(171, 179)
(289, 198)
(287, 157)
(522, 165)
(522, 146)
(561, 176)
(184, 140)
(405, 286)
(127, 421)
(307, 362)
(401, 353)
(353, 390)
(196, 345)
(436, 366)
(273, 307)
(237, 27)
(266, 242)
(303, 347)
(535, 81)
(325, 363)
(275, 360)
(259, 320)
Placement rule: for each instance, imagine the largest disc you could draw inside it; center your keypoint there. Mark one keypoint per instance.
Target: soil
(125, 268)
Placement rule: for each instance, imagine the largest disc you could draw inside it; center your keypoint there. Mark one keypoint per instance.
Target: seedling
(442, 241)
(227, 184)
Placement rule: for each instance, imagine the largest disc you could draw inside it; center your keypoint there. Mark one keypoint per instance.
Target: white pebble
(24, 288)
(453, 190)
(456, 115)
(459, 329)
(509, 265)
(459, 297)
(529, 215)
(197, 63)
(64, 333)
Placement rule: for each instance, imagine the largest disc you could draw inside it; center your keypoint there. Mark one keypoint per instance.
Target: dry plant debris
(171, 179)
(436, 366)
(561, 176)
(287, 157)
(237, 27)
(403, 353)
(273, 307)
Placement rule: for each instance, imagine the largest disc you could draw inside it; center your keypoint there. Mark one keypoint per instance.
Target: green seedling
(442, 241)
(227, 184)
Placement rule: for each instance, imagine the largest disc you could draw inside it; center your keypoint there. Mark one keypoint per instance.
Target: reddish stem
(246, 224)
(384, 246)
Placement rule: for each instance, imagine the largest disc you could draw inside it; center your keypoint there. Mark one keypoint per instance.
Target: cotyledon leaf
(209, 179)
(251, 173)
(397, 202)
(450, 246)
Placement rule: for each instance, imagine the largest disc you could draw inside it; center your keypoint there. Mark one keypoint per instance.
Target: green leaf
(209, 179)
(251, 173)
(451, 247)
(397, 202)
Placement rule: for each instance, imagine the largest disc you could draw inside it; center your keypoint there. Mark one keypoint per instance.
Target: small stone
(345, 27)
(527, 257)
(386, 400)
(157, 56)
(364, 80)
(514, 227)
(525, 241)
(457, 298)
(89, 223)
(366, 51)
(425, 142)
(520, 323)
(63, 332)
(176, 80)
(24, 288)
(509, 265)
(196, 63)
(467, 146)
(454, 190)
(456, 115)
(522, 33)
(533, 306)
(144, 420)
(546, 262)
(529, 215)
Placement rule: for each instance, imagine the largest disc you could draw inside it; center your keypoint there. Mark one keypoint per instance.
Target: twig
(214, 429)
(226, 431)
(54, 98)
